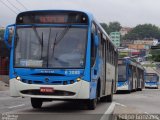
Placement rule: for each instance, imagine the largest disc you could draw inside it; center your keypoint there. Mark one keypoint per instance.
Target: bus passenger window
(93, 47)
(93, 50)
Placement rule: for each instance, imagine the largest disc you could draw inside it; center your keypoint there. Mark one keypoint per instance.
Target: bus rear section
(151, 80)
(122, 77)
(130, 75)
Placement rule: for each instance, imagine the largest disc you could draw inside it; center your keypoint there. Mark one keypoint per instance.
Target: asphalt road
(20, 109)
(147, 100)
(140, 102)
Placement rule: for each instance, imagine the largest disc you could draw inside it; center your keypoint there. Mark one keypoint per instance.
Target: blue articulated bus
(151, 80)
(61, 55)
(130, 75)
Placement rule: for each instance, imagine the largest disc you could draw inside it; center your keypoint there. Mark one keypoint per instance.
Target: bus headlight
(18, 78)
(79, 79)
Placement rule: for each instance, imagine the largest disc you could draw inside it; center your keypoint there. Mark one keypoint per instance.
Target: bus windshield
(151, 78)
(50, 47)
(121, 73)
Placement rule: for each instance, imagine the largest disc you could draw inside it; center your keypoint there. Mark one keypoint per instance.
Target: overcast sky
(127, 12)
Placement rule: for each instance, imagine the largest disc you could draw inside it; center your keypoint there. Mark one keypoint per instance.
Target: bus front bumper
(151, 85)
(78, 90)
(123, 87)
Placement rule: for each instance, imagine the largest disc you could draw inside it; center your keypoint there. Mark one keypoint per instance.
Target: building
(125, 30)
(2, 28)
(145, 42)
(125, 43)
(116, 38)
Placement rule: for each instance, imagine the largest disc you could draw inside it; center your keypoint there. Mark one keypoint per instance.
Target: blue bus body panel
(53, 76)
(151, 83)
(60, 75)
(120, 84)
(126, 62)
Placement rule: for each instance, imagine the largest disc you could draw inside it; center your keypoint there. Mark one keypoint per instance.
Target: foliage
(155, 54)
(1, 34)
(112, 27)
(149, 65)
(143, 31)
(122, 55)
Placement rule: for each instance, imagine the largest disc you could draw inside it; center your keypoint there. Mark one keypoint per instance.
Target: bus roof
(151, 74)
(132, 62)
(89, 15)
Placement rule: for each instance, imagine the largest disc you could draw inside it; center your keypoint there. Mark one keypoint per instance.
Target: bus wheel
(103, 99)
(109, 98)
(93, 102)
(36, 103)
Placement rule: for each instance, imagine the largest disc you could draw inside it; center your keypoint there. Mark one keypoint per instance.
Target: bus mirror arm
(6, 35)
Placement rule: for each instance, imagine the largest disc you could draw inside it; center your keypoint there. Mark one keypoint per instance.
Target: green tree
(112, 27)
(105, 26)
(143, 31)
(155, 52)
(1, 34)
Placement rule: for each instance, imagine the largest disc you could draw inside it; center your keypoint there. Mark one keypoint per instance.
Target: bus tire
(109, 98)
(129, 91)
(92, 103)
(103, 99)
(36, 102)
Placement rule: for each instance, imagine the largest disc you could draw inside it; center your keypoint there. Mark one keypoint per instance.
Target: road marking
(108, 112)
(16, 106)
(120, 104)
(152, 116)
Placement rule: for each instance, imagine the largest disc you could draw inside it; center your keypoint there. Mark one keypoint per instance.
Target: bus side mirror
(96, 40)
(7, 35)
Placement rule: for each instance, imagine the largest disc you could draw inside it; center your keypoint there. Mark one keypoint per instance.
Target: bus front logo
(47, 80)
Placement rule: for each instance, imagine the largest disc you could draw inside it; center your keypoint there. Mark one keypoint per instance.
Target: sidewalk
(3, 86)
(4, 78)
(4, 82)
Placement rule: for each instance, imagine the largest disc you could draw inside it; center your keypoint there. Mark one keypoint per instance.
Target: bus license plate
(46, 90)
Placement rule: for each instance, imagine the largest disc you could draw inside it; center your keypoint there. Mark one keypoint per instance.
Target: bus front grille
(55, 93)
(67, 82)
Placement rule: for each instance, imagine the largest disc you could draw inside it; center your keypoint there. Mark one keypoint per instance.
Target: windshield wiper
(58, 38)
(39, 39)
(42, 46)
(36, 33)
(62, 34)
(49, 37)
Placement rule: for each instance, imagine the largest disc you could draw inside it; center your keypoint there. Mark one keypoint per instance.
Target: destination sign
(52, 18)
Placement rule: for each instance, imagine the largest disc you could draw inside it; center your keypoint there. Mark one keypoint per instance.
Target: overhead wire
(8, 7)
(13, 6)
(22, 5)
